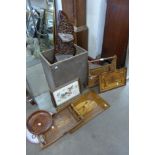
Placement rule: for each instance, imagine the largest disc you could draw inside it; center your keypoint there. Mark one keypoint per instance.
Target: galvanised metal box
(64, 71)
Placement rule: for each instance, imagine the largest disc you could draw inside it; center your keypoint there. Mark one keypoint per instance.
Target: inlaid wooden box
(95, 72)
(113, 79)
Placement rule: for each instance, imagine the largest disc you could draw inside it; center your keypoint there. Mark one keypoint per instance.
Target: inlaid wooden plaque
(111, 80)
(88, 106)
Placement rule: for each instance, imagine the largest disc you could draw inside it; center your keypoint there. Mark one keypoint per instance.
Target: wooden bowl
(39, 122)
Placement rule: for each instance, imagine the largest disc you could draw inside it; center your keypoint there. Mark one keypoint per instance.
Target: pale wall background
(96, 14)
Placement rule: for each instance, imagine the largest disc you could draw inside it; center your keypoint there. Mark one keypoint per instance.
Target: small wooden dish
(39, 122)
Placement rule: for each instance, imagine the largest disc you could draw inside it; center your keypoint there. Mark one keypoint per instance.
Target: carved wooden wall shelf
(76, 12)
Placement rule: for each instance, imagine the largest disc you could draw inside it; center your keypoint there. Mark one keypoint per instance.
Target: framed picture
(66, 93)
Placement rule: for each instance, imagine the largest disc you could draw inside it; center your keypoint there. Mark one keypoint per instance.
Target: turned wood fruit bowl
(39, 122)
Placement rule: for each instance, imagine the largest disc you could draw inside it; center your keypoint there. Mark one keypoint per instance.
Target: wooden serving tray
(94, 73)
(88, 106)
(111, 80)
(63, 122)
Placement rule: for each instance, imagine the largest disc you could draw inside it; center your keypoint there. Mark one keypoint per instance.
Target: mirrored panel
(40, 23)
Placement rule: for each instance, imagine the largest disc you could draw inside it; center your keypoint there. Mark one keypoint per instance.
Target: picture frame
(63, 95)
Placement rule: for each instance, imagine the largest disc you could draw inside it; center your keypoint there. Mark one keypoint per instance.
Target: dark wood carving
(64, 27)
(76, 12)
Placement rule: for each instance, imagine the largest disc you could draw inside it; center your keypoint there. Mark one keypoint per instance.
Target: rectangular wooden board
(88, 106)
(64, 121)
(111, 80)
